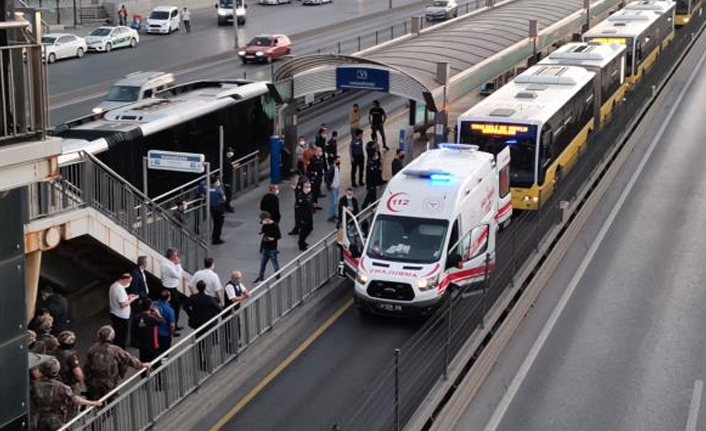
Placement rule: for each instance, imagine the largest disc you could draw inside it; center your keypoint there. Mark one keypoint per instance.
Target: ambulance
(434, 227)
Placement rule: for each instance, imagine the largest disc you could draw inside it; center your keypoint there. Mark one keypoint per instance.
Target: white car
(163, 19)
(274, 2)
(313, 2)
(62, 45)
(441, 10)
(106, 38)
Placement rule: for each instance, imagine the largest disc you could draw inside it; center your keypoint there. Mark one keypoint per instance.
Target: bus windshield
(228, 4)
(682, 7)
(407, 239)
(494, 137)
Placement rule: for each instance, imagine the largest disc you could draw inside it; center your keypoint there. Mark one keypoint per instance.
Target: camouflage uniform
(105, 366)
(50, 399)
(46, 344)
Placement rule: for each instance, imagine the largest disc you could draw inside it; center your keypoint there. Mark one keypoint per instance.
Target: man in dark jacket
(331, 149)
(397, 162)
(348, 201)
(374, 179)
(58, 308)
(148, 321)
(138, 286)
(201, 307)
(317, 170)
(270, 203)
(217, 202)
(304, 213)
(297, 191)
(268, 245)
(357, 154)
(228, 178)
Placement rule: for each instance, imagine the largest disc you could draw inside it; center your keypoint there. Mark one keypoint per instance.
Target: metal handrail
(291, 270)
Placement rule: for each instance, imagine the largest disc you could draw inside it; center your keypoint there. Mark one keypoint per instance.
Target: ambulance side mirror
(355, 250)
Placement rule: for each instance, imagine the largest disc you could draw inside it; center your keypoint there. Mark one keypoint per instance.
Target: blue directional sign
(362, 78)
(176, 161)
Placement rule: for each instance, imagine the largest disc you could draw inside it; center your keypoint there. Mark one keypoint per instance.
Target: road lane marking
(523, 371)
(695, 406)
(281, 367)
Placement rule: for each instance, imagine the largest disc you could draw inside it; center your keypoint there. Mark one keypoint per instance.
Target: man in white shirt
(214, 287)
(235, 290)
(172, 273)
(119, 302)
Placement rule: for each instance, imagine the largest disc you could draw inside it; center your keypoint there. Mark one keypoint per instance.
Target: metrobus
(606, 61)
(644, 27)
(685, 10)
(184, 118)
(544, 116)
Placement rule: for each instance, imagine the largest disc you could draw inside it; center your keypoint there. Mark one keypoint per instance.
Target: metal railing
(24, 102)
(141, 399)
(246, 173)
(90, 183)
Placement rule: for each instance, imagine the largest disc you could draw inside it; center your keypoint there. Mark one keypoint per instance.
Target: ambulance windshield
(407, 239)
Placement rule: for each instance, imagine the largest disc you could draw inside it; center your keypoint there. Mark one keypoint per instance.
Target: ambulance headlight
(361, 277)
(427, 283)
(98, 110)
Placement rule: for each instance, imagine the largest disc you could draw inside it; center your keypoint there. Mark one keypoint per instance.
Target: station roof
(470, 40)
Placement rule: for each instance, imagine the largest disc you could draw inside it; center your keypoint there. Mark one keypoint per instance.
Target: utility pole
(235, 23)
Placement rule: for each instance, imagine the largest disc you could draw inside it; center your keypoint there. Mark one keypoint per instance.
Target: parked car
(274, 2)
(134, 87)
(315, 2)
(163, 19)
(106, 38)
(265, 48)
(441, 9)
(62, 45)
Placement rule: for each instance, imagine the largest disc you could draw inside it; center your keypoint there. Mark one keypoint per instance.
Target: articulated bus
(645, 28)
(685, 10)
(544, 115)
(606, 61)
(185, 118)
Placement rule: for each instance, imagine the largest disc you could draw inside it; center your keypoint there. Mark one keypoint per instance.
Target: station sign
(176, 161)
(362, 78)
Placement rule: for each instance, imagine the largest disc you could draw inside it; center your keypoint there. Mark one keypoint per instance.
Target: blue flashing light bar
(458, 147)
(440, 177)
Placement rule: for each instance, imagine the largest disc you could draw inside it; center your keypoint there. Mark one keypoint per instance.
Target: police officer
(106, 363)
(304, 213)
(317, 170)
(217, 201)
(53, 402)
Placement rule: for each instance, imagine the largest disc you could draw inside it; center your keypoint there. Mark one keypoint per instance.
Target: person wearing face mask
(304, 212)
(348, 201)
(317, 171)
(270, 203)
(333, 183)
(217, 201)
(301, 147)
(228, 178)
(374, 179)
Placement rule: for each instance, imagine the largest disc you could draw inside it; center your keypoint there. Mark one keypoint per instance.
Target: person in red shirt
(148, 321)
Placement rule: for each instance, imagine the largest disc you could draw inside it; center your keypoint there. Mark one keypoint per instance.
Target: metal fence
(414, 368)
(140, 400)
(246, 176)
(23, 88)
(90, 183)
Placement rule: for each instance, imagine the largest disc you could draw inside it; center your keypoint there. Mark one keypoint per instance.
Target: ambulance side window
(454, 236)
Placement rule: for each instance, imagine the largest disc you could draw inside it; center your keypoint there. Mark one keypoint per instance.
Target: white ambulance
(434, 226)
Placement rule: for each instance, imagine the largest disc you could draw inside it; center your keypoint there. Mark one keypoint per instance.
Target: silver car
(441, 10)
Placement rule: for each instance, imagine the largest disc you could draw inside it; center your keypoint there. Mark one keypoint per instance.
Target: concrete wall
(143, 7)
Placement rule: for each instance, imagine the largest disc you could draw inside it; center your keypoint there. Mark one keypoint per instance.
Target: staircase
(90, 199)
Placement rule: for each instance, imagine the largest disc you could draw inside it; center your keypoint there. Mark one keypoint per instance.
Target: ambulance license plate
(389, 307)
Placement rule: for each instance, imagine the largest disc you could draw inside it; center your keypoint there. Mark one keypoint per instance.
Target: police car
(105, 39)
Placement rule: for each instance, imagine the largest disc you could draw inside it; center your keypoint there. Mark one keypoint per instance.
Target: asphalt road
(626, 352)
(78, 85)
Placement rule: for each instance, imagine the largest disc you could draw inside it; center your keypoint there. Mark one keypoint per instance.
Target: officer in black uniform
(304, 213)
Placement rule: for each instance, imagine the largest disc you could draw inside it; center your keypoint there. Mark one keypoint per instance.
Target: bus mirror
(355, 250)
(454, 261)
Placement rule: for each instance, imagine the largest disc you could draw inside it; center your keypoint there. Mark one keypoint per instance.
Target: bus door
(466, 261)
(502, 161)
(352, 241)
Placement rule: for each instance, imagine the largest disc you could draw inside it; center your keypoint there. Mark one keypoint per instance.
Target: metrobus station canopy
(478, 47)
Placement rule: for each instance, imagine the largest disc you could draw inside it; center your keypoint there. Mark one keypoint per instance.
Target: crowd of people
(146, 314)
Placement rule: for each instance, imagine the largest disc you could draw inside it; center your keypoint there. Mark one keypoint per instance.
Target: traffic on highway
(391, 309)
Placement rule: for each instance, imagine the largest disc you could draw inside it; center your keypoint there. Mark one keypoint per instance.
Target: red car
(265, 48)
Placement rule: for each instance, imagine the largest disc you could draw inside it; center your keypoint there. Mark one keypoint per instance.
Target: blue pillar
(275, 159)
